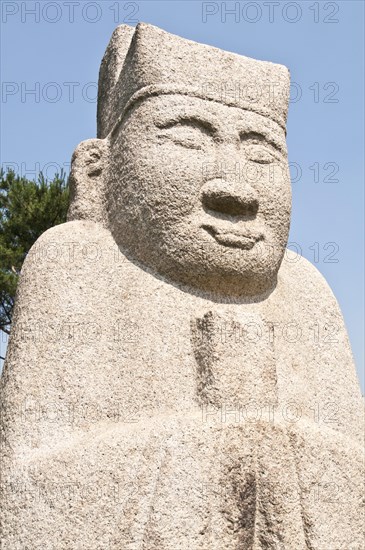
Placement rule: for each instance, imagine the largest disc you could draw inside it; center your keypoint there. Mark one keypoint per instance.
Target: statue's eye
(187, 133)
(258, 149)
(257, 152)
(188, 136)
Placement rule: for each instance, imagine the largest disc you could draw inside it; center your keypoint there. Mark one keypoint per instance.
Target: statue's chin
(222, 281)
(233, 285)
(236, 278)
(224, 269)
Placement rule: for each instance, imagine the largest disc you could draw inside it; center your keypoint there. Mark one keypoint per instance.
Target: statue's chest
(235, 360)
(177, 350)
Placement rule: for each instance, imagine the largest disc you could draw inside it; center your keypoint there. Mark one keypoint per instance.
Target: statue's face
(199, 192)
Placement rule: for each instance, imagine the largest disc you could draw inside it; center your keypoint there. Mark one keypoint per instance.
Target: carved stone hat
(131, 70)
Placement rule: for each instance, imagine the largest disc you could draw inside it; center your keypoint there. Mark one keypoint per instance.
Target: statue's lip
(234, 237)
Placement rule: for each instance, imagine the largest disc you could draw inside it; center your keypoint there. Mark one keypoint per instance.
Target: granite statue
(175, 378)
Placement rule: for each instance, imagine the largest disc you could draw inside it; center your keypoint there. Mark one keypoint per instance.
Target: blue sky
(55, 48)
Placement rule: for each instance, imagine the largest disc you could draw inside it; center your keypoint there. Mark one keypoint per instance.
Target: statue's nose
(229, 198)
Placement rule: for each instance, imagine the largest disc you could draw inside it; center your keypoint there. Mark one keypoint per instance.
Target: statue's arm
(58, 344)
(320, 370)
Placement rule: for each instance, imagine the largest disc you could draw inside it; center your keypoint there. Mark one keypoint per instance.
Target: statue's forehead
(175, 106)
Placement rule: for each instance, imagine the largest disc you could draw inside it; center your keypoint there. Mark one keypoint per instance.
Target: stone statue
(175, 379)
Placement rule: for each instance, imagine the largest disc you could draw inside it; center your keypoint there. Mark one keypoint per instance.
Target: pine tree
(27, 209)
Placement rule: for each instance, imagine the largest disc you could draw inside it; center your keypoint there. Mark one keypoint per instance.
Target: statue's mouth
(233, 237)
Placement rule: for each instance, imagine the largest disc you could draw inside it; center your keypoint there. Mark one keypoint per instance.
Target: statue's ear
(88, 169)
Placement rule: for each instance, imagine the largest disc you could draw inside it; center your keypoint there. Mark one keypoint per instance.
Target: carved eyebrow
(194, 121)
(261, 136)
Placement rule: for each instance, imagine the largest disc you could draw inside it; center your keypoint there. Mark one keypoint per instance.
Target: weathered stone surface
(175, 379)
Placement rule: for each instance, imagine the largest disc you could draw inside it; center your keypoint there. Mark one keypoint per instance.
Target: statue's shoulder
(69, 246)
(68, 259)
(304, 284)
(74, 232)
